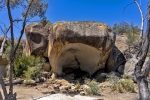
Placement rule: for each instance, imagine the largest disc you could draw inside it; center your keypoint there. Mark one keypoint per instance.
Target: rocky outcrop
(116, 61)
(84, 45)
(121, 42)
(130, 67)
(36, 39)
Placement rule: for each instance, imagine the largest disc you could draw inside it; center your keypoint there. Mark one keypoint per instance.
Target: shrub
(113, 80)
(7, 48)
(77, 86)
(126, 85)
(27, 66)
(94, 87)
(132, 40)
(121, 85)
(45, 22)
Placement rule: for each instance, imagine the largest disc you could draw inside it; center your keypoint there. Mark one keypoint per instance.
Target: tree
(141, 70)
(124, 27)
(31, 8)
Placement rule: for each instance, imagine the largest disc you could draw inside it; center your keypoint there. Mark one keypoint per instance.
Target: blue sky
(108, 11)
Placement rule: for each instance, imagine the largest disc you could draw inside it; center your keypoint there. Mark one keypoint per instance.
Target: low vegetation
(125, 27)
(27, 66)
(121, 85)
(93, 87)
(8, 48)
(78, 85)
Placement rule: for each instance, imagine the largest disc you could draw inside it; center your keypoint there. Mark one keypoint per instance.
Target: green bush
(121, 85)
(7, 49)
(45, 22)
(130, 38)
(94, 87)
(27, 66)
(126, 85)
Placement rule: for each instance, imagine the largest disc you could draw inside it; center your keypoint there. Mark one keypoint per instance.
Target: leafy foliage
(45, 22)
(27, 67)
(124, 27)
(37, 8)
(8, 49)
(30, 9)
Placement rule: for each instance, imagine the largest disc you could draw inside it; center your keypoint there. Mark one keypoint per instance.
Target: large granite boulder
(115, 62)
(130, 67)
(84, 45)
(36, 39)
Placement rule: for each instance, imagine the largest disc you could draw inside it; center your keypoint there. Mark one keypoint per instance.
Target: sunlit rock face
(84, 45)
(37, 39)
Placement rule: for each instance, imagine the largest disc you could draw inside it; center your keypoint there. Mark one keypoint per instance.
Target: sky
(108, 11)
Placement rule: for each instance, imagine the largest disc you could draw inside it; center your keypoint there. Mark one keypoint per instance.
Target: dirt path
(28, 93)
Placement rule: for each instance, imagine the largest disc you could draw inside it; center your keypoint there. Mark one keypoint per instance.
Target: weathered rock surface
(84, 45)
(116, 61)
(60, 96)
(46, 67)
(130, 67)
(36, 39)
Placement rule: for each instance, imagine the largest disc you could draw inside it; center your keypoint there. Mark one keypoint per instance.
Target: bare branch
(141, 76)
(23, 26)
(127, 6)
(17, 20)
(142, 26)
(12, 47)
(140, 2)
(4, 40)
(3, 24)
(2, 4)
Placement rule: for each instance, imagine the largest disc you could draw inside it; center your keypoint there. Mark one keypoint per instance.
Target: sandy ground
(28, 93)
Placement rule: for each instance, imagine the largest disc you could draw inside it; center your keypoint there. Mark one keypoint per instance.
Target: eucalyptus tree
(141, 70)
(29, 10)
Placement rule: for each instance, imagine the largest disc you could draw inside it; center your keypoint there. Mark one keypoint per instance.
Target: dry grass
(121, 85)
(94, 88)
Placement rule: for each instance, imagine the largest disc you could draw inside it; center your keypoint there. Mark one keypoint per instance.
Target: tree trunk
(143, 89)
(11, 77)
(141, 72)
